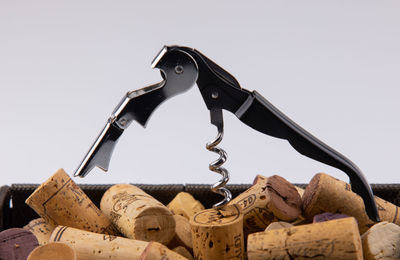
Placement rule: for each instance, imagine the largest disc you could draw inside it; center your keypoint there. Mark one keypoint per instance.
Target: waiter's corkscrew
(182, 67)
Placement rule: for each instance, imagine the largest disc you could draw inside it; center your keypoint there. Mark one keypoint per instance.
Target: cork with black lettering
(218, 233)
(59, 201)
(269, 199)
(138, 215)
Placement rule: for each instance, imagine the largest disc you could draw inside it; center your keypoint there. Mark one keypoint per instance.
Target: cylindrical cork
(16, 244)
(59, 201)
(328, 216)
(94, 246)
(185, 204)
(335, 239)
(268, 200)
(53, 251)
(382, 241)
(299, 190)
(328, 194)
(183, 235)
(138, 215)
(41, 229)
(183, 252)
(278, 225)
(218, 233)
(155, 251)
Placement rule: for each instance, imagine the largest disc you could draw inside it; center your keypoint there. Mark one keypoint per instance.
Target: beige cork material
(183, 252)
(328, 194)
(335, 239)
(381, 241)
(41, 229)
(155, 251)
(268, 200)
(278, 225)
(59, 201)
(301, 221)
(138, 215)
(185, 204)
(94, 246)
(53, 251)
(299, 190)
(183, 235)
(218, 234)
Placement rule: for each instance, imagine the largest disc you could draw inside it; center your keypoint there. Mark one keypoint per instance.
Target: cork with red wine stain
(16, 244)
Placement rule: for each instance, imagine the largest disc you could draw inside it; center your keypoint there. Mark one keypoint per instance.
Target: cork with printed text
(138, 215)
(59, 201)
(218, 233)
(268, 200)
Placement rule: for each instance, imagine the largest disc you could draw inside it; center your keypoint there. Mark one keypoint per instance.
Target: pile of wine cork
(273, 219)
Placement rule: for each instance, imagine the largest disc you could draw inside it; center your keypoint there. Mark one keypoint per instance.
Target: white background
(331, 66)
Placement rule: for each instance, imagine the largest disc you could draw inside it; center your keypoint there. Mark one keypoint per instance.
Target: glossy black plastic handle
(261, 115)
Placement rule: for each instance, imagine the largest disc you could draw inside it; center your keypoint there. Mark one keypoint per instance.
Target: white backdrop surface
(331, 66)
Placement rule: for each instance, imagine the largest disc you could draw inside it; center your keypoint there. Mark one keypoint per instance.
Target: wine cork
(328, 194)
(185, 204)
(52, 251)
(381, 241)
(278, 225)
(335, 239)
(268, 200)
(16, 244)
(41, 229)
(299, 190)
(218, 234)
(94, 246)
(183, 252)
(183, 235)
(59, 201)
(138, 215)
(328, 216)
(157, 251)
(301, 221)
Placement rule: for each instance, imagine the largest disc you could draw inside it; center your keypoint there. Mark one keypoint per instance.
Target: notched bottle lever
(181, 67)
(179, 72)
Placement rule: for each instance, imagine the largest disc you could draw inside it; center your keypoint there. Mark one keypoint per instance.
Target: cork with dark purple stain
(328, 216)
(269, 199)
(16, 244)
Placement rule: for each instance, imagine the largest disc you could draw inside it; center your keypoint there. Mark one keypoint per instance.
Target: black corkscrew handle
(220, 90)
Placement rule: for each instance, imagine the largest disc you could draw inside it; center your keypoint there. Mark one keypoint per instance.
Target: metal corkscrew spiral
(216, 166)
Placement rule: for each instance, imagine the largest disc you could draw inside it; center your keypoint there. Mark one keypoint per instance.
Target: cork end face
(218, 218)
(59, 178)
(311, 193)
(259, 178)
(285, 200)
(51, 251)
(382, 241)
(17, 243)
(155, 224)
